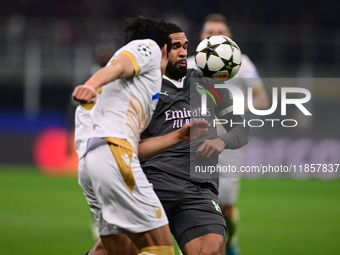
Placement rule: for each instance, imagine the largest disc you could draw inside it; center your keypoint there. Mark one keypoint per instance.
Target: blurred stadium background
(47, 48)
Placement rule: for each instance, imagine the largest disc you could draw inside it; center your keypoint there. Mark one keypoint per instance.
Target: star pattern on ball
(144, 50)
(218, 57)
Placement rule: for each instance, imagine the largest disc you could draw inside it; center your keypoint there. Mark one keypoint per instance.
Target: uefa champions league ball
(218, 57)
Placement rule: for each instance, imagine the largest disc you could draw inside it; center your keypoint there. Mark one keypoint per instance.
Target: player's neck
(177, 83)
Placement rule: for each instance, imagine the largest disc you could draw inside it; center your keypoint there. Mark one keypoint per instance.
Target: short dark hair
(172, 28)
(216, 17)
(146, 28)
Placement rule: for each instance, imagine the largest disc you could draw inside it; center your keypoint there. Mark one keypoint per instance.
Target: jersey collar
(174, 83)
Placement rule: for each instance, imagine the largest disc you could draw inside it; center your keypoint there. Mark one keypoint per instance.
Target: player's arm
(237, 129)
(260, 98)
(237, 134)
(236, 137)
(120, 68)
(190, 131)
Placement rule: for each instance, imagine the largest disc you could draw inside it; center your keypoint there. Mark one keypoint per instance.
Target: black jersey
(177, 106)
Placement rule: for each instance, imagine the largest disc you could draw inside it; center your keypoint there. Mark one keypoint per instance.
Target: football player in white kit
(247, 76)
(115, 187)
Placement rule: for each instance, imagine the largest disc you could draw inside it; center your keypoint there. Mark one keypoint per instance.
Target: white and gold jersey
(125, 106)
(83, 128)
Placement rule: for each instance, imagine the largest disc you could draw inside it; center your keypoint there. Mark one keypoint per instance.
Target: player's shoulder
(193, 73)
(145, 43)
(193, 79)
(248, 69)
(143, 49)
(246, 62)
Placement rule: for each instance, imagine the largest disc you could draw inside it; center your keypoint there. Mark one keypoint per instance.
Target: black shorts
(192, 209)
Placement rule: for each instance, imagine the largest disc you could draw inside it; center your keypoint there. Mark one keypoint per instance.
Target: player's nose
(183, 53)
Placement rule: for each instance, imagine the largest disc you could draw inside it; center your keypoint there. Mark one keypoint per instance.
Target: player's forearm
(105, 75)
(237, 135)
(155, 145)
(119, 69)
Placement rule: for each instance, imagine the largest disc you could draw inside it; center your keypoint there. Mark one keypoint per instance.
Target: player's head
(215, 24)
(148, 28)
(177, 65)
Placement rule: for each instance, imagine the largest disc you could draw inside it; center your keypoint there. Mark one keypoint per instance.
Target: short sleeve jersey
(125, 106)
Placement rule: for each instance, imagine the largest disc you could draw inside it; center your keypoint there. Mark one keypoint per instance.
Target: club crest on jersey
(144, 50)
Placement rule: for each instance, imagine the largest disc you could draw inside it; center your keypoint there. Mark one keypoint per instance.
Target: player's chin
(182, 70)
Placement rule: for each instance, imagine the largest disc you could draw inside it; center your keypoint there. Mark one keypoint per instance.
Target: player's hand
(84, 94)
(194, 130)
(211, 148)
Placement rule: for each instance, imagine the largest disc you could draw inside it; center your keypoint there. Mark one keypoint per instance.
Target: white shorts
(120, 198)
(228, 190)
(229, 181)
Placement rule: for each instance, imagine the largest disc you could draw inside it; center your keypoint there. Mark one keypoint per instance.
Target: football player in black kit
(190, 200)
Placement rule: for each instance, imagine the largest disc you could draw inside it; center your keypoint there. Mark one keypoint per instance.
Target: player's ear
(164, 51)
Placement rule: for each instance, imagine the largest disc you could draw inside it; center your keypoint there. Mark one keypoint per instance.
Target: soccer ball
(218, 57)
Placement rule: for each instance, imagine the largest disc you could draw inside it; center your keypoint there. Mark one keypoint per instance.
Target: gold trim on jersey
(120, 142)
(134, 63)
(258, 87)
(89, 106)
(157, 250)
(99, 90)
(123, 151)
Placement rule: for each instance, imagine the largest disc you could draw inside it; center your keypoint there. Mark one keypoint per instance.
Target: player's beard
(176, 72)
